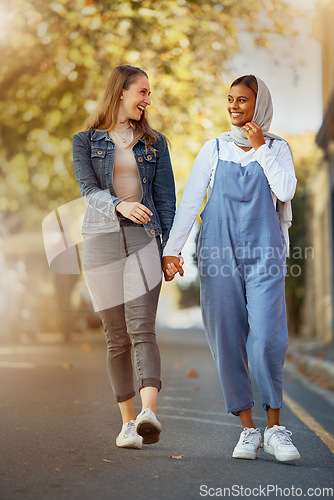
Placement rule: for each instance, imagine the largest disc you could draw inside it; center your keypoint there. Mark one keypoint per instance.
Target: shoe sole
(133, 446)
(281, 458)
(246, 456)
(149, 432)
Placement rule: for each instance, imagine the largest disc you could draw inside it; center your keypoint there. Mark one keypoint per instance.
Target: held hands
(254, 134)
(172, 265)
(134, 211)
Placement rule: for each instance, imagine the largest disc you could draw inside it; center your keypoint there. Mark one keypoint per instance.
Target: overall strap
(215, 166)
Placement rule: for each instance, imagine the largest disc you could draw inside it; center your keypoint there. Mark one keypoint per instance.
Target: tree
(56, 56)
(307, 158)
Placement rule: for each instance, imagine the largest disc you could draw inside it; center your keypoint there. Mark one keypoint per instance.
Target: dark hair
(249, 80)
(106, 113)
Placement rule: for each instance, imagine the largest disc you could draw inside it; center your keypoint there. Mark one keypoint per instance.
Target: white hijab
(263, 115)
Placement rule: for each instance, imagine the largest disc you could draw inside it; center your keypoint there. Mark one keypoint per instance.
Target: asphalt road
(58, 424)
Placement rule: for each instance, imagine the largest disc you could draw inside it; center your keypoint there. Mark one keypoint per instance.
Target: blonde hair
(104, 117)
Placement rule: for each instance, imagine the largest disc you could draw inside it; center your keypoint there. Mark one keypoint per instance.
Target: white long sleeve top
(277, 164)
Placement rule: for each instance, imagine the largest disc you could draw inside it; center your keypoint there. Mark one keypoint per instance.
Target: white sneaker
(128, 437)
(148, 426)
(248, 445)
(277, 442)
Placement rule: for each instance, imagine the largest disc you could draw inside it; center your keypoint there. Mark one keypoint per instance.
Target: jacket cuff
(116, 201)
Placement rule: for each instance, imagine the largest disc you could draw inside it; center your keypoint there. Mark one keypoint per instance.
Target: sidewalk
(313, 359)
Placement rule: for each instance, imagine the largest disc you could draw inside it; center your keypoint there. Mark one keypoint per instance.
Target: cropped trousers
(123, 273)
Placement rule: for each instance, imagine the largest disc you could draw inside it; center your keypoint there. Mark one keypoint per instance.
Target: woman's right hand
(134, 211)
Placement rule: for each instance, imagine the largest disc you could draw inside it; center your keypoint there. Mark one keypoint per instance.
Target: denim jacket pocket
(150, 161)
(98, 159)
(97, 156)
(150, 157)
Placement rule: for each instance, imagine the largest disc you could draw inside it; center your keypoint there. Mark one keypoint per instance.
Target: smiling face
(241, 104)
(134, 100)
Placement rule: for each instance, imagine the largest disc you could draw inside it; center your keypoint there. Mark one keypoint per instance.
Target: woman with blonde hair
(125, 176)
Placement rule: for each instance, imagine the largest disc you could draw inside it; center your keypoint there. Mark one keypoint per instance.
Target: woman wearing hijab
(125, 175)
(242, 260)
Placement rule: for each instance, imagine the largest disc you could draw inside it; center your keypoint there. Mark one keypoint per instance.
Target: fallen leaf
(65, 366)
(197, 388)
(56, 469)
(179, 457)
(105, 460)
(86, 347)
(192, 373)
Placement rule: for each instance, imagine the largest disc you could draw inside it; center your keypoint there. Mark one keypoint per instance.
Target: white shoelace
(250, 436)
(282, 435)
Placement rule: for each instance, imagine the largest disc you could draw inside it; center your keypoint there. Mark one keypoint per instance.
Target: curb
(319, 371)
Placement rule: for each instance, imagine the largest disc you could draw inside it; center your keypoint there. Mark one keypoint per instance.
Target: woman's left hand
(254, 134)
(172, 265)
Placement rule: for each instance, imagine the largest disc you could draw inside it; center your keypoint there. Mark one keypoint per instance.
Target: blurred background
(55, 59)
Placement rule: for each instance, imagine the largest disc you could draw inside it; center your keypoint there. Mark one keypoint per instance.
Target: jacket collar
(100, 134)
(97, 135)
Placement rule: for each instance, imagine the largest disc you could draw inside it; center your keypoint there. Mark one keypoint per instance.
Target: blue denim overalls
(242, 265)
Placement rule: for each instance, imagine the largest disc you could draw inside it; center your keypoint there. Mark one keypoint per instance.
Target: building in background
(319, 295)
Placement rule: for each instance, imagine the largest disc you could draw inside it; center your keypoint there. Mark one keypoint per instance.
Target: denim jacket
(94, 156)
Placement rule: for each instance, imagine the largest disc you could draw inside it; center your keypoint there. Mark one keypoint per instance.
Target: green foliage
(56, 56)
